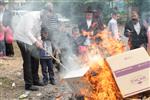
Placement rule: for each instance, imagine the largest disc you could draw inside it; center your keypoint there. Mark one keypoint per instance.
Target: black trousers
(47, 68)
(30, 65)
(9, 49)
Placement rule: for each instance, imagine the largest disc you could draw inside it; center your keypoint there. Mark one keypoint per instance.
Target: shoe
(52, 81)
(45, 82)
(38, 83)
(32, 88)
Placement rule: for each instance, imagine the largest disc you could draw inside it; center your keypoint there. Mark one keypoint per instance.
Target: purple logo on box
(138, 80)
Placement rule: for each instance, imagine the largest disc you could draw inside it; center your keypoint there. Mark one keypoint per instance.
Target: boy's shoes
(31, 88)
(45, 82)
(39, 83)
(52, 81)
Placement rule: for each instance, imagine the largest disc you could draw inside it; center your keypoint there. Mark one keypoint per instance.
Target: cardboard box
(75, 79)
(131, 70)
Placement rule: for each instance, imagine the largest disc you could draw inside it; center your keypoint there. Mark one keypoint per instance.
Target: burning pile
(100, 77)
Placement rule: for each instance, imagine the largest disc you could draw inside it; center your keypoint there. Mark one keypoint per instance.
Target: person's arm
(127, 30)
(145, 30)
(148, 36)
(29, 24)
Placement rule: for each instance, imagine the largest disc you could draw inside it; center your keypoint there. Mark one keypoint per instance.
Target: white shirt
(113, 27)
(89, 22)
(28, 28)
(1, 16)
(137, 28)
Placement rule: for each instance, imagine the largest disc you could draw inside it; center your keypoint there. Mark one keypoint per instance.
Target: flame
(100, 76)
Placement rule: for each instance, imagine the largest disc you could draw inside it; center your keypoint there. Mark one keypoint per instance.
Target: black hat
(89, 10)
(2, 2)
(44, 30)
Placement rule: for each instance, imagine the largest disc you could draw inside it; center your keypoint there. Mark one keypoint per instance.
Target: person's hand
(129, 32)
(142, 45)
(58, 51)
(39, 44)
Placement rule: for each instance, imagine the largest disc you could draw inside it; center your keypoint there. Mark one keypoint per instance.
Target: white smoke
(69, 60)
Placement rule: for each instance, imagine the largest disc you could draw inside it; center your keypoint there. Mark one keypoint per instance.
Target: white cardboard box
(75, 79)
(131, 71)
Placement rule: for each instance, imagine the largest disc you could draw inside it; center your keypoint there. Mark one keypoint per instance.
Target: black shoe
(52, 81)
(32, 88)
(45, 82)
(38, 83)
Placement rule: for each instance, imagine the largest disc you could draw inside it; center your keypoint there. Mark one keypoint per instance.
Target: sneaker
(32, 88)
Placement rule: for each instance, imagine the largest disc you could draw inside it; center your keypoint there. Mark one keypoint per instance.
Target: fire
(100, 76)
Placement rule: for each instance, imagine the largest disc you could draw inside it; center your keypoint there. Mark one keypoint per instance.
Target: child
(45, 58)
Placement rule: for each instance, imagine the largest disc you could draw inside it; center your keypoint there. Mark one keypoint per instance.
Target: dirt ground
(12, 84)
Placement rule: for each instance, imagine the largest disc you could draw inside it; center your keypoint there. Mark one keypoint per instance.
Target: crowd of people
(6, 36)
(36, 36)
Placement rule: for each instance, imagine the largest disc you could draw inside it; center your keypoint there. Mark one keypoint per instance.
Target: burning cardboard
(131, 71)
(76, 73)
(75, 79)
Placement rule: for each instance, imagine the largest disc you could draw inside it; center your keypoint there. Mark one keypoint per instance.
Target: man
(113, 26)
(50, 21)
(135, 31)
(28, 37)
(87, 27)
(6, 18)
(88, 24)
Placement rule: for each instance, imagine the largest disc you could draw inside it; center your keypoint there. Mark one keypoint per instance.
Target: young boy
(45, 58)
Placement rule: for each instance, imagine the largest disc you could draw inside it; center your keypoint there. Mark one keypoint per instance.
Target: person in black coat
(87, 27)
(88, 24)
(136, 32)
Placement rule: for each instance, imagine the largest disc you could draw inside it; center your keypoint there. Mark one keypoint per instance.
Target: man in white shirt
(113, 26)
(27, 34)
(28, 29)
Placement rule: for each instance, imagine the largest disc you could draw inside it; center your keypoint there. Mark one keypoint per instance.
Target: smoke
(60, 38)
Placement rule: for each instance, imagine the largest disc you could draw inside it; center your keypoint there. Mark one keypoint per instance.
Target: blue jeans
(47, 64)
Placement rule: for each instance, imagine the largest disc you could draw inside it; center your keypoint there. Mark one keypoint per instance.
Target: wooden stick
(56, 60)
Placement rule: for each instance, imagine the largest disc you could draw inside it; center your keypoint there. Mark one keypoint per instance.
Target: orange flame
(100, 76)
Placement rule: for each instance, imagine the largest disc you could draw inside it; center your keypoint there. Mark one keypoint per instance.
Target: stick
(56, 60)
